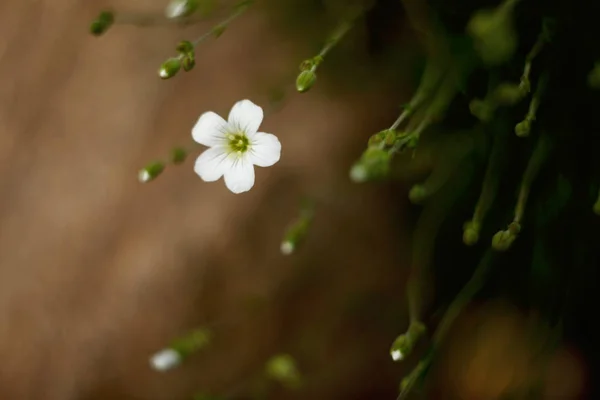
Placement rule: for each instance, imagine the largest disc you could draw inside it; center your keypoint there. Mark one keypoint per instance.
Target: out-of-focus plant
(502, 122)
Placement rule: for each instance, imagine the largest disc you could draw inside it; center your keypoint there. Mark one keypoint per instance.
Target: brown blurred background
(97, 271)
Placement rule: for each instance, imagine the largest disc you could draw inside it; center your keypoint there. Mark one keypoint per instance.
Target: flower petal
(246, 116)
(265, 149)
(240, 177)
(210, 129)
(213, 163)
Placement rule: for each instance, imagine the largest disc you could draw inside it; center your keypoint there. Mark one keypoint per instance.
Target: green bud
(178, 155)
(181, 8)
(150, 172)
(503, 240)
(170, 68)
(508, 94)
(390, 137)
(404, 344)
(481, 109)
(102, 23)
(523, 128)
(417, 194)
(188, 62)
(374, 164)
(185, 47)
(471, 233)
(377, 138)
(306, 79)
(297, 231)
(597, 207)
(193, 342)
(594, 77)
(282, 368)
(493, 34)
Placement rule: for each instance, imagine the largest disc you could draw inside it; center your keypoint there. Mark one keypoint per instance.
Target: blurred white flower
(235, 146)
(165, 359)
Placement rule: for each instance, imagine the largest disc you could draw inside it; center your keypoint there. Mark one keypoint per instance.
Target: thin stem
(429, 82)
(538, 158)
(457, 306)
(239, 10)
(429, 223)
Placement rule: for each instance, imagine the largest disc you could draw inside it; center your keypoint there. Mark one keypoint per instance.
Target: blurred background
(98, 271)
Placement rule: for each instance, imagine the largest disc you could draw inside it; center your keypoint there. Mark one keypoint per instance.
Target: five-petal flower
(235, 146)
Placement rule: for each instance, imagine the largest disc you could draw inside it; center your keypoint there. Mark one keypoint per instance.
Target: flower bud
(297, 231)
(165, 360)
(503, 240)
(597, 207)
(282, 368)
(193, 342)
(493, 34)
(306, 79)
(185, 47)
(404, 344)
(523, 128)
(170, 68)
(594, 77)
(374, 164)
(189, 62)
(481, 109)
(417, 194)
(180, 8)
(178, 155)
(151, 171)
(102, 23)
(471, 233)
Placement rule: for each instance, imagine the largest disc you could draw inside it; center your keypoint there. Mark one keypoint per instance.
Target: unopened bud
(178, 155)
(471, 233)
(494, 34)
(503, 240)
(523, 128)
(404, 344)
(170, 68)
(417, 194)
(151, 171)
(188, 62)
(102, 23)
(481, 109)
(306, 79)
(184, 47)
(282, 368)
(181, 8)
(597, 207)
(594, 77)
(165, 360)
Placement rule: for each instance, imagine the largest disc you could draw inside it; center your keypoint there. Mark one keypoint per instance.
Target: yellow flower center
(238, 142)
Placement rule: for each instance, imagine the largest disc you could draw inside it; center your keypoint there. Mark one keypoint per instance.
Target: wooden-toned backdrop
(98, 271)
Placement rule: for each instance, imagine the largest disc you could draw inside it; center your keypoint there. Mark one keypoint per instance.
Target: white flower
(165, 359)
(235, 146)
